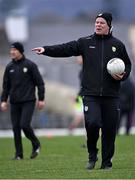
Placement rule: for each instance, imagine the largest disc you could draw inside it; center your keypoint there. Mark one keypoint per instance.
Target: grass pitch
(65, 158)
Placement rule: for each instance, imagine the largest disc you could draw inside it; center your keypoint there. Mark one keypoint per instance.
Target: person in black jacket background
(78, 104)
(100, 90)
(127, 103)
(21, 77)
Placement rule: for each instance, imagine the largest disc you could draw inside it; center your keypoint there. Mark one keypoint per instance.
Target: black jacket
(20, 81)
(127, 96)
(96, 51)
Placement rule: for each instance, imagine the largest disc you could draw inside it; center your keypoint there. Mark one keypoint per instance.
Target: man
(78, 114)
(78, 104)
(21, 77)
(127, 101)
(100, 90)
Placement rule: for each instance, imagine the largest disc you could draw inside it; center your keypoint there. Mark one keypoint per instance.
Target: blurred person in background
(78, 113)
(78, 103)
(127, 102)
(21, 77)
(100, 90)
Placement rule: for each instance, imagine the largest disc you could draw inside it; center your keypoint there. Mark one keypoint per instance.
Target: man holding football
(100, 90)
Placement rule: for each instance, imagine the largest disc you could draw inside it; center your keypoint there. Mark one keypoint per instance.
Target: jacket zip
(102, 46)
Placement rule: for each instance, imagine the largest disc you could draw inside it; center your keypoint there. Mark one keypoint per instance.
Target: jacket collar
(18, 61)
(105, 36)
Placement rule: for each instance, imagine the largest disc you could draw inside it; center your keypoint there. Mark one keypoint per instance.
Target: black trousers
(101, 112)
(21, 117)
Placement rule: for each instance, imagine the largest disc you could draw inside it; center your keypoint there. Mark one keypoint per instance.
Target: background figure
(78, 104)
(78, 114)
(21, 78)
(127, 100)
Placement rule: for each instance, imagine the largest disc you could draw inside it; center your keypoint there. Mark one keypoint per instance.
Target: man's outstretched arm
(72, 48)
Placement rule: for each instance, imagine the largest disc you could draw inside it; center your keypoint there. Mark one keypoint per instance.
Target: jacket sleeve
(71, 48)
(38, 81)
(5, 86)
(127, 62)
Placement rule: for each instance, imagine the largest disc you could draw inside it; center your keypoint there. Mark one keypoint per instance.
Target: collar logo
(92, 47)
(11, 70)
(113, 49)
(25, 69)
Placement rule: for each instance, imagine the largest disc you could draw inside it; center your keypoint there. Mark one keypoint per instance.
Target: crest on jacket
(113, 48)
(25, 69)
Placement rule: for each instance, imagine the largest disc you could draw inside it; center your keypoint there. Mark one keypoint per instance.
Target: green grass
(64, 158)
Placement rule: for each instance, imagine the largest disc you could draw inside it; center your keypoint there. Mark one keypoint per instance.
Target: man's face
(15, 54)
(101, 26)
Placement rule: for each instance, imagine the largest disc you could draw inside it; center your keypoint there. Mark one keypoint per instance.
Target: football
(115, 66)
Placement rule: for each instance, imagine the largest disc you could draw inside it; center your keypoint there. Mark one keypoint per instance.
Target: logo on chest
(25, 69)
(92, 47)
(113, 48)
(11, 70)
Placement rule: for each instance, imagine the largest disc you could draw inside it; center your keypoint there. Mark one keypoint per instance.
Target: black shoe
(35, 152)
(91, 164)
(17, 158)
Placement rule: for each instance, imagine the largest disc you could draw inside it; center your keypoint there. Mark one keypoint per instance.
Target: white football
(115, 66)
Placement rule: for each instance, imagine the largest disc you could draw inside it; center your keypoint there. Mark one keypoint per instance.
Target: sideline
(49, 132)
(59, 132)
